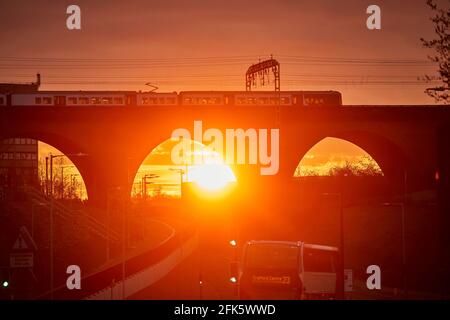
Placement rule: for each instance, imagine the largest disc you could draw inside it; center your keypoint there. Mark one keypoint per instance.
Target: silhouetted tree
(366, 167)
(441, 46)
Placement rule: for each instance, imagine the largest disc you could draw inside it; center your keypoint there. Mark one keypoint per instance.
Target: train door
(229, 99)
(130, 99)
(60, 101)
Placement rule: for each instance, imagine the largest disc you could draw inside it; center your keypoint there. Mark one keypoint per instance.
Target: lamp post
(40, 204)
(145, 182)
(34, 205)
(51, 157)
(403, 235)
(181, 172)
(341, 235)
(73, 181)
(62, 179)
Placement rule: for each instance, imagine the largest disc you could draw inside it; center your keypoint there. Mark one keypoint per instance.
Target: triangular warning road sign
(24, 241)
(20, 243)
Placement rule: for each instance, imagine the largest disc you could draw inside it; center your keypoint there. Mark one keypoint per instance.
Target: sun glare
(202, 166)
(211, 177)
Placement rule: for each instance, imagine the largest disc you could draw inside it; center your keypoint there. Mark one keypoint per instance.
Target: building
(21, 87)
(18, 155)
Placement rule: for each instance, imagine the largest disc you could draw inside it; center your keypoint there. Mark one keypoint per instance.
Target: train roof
(262, 92)
(173, 92)
(83, 92)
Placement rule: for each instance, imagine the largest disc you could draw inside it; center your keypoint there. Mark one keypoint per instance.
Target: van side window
(315, 260)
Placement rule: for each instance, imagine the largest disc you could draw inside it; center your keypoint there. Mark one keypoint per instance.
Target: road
(209, 262)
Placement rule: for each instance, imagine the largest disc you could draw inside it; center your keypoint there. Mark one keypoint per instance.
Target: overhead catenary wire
(51, 66)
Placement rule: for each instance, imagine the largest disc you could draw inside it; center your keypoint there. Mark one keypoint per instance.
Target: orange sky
(184, 40)
(208, 45)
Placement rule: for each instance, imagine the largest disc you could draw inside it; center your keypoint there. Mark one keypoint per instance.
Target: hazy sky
(171, 33)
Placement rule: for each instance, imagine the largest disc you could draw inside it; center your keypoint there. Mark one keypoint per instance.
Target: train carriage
(185, 98)
(74, 98)
(156, 99)
(202, 98)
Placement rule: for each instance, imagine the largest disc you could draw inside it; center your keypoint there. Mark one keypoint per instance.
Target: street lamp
(51, 157)
(62, 179)
(181, 172)
(145, 182)
(73, 182)
(404, 270)
(39, 204)
(341, 233)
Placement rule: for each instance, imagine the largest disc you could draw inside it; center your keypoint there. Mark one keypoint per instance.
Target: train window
(144, 100)
(118, 100)
(263, 100)
(37, 100)
(285, 100)
(72, 100)
(107, 100)
(314, 101)
(96, 100)
(83, 100)
(171, 100)
(161, 101)
(46, 100)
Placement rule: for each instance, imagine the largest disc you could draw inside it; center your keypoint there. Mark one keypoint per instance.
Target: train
(184, 98)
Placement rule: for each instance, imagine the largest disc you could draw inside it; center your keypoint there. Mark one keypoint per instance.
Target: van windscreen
(272, 256)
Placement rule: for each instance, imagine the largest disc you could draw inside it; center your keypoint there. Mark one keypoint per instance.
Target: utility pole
(46, 176)
(145, 182)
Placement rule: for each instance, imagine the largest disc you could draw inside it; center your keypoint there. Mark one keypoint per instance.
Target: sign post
(21, 261)
(348, 280)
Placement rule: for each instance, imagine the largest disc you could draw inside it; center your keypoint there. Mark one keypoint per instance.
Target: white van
(286, 270)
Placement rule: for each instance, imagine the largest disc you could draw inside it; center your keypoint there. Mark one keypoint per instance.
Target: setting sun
(209, 174)
(211, 177)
